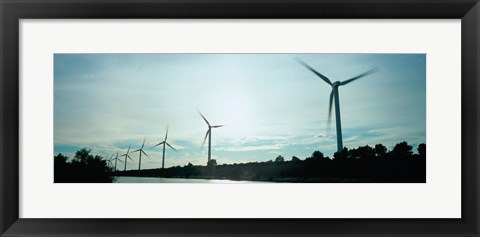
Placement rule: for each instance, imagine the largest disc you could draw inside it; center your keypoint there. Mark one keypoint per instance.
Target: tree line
(362, 164)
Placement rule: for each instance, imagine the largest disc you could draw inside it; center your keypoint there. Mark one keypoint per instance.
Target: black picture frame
(12, 11)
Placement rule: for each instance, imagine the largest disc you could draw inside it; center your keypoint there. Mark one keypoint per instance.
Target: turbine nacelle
(209, 128)
(141, 150)
(164, 142)
(127, 154)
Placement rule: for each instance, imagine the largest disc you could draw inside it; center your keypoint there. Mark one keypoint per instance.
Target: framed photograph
(239, 118)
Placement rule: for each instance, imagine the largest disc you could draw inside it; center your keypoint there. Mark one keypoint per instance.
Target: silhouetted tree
(60, 168)
(279, 159)
(363, 152)
(380, 151)
(84, 168)
(82, 155)
(317, 155)
(295, 159)
(402, 150)
(60, 159)
(422, 150)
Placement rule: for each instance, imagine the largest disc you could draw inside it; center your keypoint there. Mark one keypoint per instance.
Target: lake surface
(130, 179)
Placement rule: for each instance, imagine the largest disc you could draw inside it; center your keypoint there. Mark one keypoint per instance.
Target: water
(130, 179)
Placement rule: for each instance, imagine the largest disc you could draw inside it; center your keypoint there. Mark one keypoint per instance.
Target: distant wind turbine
(209, 135)
(164, 142)
(141, 151)
(109, 161)
(126, 155)
(116, 159)
(334, 94)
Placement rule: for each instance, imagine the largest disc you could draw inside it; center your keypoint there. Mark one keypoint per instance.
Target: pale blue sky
(269, 103)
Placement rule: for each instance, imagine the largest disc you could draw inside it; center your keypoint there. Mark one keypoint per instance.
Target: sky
(269, 104)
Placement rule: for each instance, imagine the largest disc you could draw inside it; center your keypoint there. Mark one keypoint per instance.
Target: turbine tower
(164, 142)
(209, 135)
(334, 94)
(126, 155)
(141, 151)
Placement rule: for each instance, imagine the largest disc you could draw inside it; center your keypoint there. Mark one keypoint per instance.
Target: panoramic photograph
(239, 118)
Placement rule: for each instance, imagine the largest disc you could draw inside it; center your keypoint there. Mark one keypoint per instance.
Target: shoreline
(291, 179)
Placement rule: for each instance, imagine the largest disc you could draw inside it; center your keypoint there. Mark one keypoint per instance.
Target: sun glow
(235, 115)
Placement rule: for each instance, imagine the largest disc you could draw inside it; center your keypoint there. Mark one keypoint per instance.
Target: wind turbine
(164, 143)
(126, 155)
(141, 151)
(116, 159)
(334, 94)
(209, 135)
(109, 161)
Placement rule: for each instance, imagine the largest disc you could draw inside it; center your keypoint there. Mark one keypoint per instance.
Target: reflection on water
(129, 179)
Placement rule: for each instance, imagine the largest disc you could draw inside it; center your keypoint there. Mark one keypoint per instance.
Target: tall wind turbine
(209, 135)
(126, 155)
(164, 142)
(334, 94)
(116, 159)
(141, 151)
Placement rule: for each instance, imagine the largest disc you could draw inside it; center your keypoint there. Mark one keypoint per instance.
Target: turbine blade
(206, 135)
(204, 118)
(316, 73)
(129, 157)
(145, 154)
(166, 134)
(128, 149)
(143, 144)
(359, 76)
(171, 147)
(120, 161)
(135, 150)
(330, 108)
(159, 144)
(218, 126)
